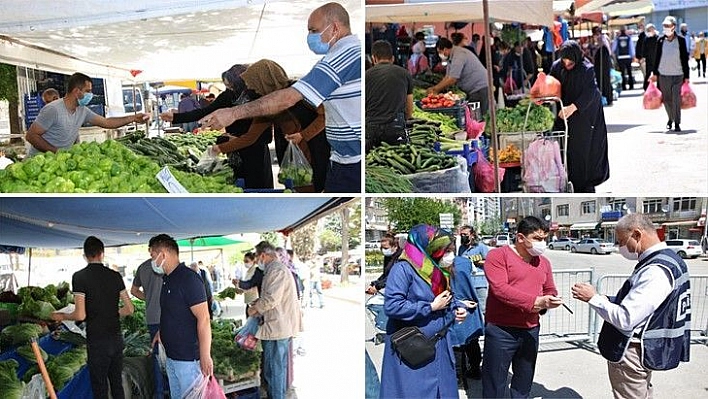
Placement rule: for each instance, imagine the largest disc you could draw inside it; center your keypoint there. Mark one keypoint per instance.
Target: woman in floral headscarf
(417, 294)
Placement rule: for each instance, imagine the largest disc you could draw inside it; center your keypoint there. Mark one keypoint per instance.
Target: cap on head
(669, 20)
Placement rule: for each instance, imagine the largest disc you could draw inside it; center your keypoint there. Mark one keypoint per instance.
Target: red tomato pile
(437, 101)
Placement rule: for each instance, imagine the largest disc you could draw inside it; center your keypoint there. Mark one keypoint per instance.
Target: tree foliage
(404, 213)
(303, 241)
(333, 223)
(8, 82)
(489, 226)
(273, 238)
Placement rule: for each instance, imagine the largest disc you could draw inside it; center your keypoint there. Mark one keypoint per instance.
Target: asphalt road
(645, 158)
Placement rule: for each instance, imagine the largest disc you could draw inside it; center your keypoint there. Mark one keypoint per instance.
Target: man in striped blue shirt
(335, 81)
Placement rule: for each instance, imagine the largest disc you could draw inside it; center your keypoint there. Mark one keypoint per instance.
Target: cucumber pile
(423, 132)
(160, 150)
(409, 158)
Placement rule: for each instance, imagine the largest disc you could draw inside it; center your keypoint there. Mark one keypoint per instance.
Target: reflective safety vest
(666, 336)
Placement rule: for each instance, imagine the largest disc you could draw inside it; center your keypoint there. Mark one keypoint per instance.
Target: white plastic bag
(198, 389)
(295, 167)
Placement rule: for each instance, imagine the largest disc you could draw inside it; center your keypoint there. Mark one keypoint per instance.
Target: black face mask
(465, 240)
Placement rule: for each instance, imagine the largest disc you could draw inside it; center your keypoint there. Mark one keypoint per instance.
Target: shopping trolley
(377, 316)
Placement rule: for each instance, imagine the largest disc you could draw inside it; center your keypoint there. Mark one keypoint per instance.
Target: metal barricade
(610, 284)
(559, 325)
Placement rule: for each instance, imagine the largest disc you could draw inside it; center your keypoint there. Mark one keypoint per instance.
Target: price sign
(447, 221)
(170, 182)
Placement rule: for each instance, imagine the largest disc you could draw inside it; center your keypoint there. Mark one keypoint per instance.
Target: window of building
(562, 210)
(618, 205)
(684, 204)
(652, 205)
(545, 212)
(588, 207)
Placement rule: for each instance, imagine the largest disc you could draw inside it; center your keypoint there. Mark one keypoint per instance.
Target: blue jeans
(156, 369)
(316, 287)
(181, 375)
(504, 346)
(343, 178)
(275, 366)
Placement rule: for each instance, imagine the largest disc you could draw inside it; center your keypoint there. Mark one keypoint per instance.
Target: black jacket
(683, 53)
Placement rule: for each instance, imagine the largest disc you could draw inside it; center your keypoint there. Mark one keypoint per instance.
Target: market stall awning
(537, 12)
(616, 8)
(682, 223)
(166, 39)
(65, 222)
(213, 241)
(584, 226)
(609, 224)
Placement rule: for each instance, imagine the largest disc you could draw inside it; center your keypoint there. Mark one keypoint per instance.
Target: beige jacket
(278, 304)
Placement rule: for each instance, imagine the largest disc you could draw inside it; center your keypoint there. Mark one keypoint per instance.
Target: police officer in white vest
(647, 325)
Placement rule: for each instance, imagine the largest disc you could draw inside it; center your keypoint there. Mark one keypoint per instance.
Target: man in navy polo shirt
(185, 328)
(97, 290)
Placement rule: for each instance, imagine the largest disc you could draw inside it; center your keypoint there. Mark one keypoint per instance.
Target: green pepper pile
(108, 167)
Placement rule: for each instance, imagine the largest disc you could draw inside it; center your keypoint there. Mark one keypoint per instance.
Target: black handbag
(414, 348)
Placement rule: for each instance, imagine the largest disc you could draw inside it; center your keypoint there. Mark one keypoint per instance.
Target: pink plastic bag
(652, 97)
(484, 174)
(543, 167)
(473, 128)
(213, 390)
(688, 97)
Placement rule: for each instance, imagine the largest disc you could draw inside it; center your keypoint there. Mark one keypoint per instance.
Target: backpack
(543, 168)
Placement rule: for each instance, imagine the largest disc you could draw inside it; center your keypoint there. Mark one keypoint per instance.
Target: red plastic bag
(546, 86)
(688, 97)
(473, 128)
(484, 174)
(652, 97)
(509, 85)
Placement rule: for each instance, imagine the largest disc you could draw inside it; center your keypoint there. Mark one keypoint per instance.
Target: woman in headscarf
(250, 161)
(418, 294)
(418, 63)
(588, 164)
(247, 140)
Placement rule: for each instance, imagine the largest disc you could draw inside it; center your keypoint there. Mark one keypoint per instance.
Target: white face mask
(442, 56)
(387, 251)
(669, 31)
(537, 248)
(624, 251)
(447, 260)
(159, 269)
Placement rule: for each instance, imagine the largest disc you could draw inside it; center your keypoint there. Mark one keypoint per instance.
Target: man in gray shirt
(465, 70)
(150, 279)
(58, 123)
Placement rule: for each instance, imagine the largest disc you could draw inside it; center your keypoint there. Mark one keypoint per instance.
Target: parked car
(593, 246)
(563, 243)
(502, 239)
(487, 240)
(685, 248)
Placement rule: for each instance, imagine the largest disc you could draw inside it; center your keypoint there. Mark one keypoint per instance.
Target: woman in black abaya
(588, 165)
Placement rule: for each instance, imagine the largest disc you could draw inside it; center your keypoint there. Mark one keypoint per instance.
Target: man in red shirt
(520, 287)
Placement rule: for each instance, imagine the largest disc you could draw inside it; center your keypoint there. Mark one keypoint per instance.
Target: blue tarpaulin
(65, 222)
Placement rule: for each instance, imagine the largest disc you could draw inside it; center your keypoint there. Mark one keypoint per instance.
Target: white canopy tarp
(616, 8)
(537, 12)
(166, 39)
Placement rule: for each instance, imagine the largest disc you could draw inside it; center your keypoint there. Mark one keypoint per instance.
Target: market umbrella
(210, 241)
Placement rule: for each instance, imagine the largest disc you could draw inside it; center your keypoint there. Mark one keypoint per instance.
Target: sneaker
(668, 125)
(677, 128)
(301, 351)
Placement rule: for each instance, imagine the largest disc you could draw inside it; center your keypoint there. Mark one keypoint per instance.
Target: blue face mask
(314, 41)
(86, 99)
